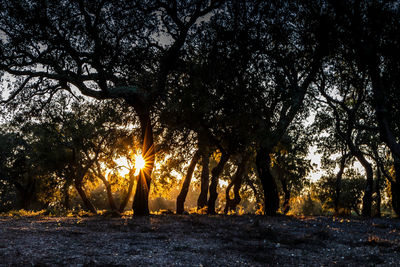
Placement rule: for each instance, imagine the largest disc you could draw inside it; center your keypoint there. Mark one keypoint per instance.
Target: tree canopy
(218, 96)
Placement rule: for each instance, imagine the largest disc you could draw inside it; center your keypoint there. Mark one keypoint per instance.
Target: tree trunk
(180, 201)
(286, 193)
(367, 199)
(228, 198)
(26, 193)
(86, 201)
(339, 183)
(395, 191)
(378, 193)
(128, 194)
(140, 204)
(214, 183)
(254, 189)
(67, 205)
(395, 187)
(110, 196)
(97, 171)
(204, 180)
(271, 197)
(236, 182)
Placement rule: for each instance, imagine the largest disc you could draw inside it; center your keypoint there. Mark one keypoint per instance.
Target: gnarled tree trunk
(180, 201)
(204, 180)
(271, 197)
(86, 201)
(367, 199)
(140, 204)
(282, 175)
(214, 182)
(236, 182)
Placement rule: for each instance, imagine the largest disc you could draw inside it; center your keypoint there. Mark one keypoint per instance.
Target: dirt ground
(199, 240)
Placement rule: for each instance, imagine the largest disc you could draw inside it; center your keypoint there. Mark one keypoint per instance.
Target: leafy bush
(305, 205)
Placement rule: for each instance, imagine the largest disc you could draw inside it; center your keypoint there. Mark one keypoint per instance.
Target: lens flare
(139, 164)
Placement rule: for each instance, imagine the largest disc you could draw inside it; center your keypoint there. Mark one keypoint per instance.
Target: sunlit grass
(23, 213)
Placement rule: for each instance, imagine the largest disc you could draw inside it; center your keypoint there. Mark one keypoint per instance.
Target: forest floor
(198, 240)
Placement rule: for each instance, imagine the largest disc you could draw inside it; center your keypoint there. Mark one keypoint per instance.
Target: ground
(198, 240)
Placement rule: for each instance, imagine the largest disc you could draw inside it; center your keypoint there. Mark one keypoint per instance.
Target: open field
(196, 240)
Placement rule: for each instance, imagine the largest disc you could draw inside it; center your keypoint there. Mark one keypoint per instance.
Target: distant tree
(70, 137)
(290, 165)
(352, 187)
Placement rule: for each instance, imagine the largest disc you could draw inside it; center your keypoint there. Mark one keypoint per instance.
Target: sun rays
(140, 163)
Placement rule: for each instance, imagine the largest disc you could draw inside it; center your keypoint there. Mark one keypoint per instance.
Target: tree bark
(204, 180)
(271, 197)
(180, 201)
(86, 201)
(140, 204)
(214, 182)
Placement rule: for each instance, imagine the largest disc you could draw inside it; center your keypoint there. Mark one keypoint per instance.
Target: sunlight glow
(140, 163)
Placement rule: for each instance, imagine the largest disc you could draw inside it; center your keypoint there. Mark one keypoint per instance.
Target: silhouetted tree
(105, 49)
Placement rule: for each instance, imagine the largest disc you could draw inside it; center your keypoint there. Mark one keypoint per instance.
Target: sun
(140, 163)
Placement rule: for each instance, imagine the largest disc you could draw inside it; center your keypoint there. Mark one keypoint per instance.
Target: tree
(290, 166)
(245, 69)
(236, 182)
(346, 112)
(14, 168)
(293, 52)
(105, 49)
(186, 183)
(352, 187)
(70, 138)
(368, 32)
